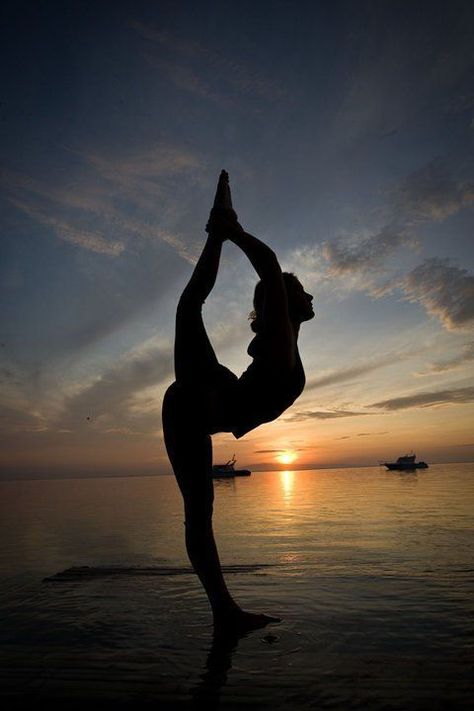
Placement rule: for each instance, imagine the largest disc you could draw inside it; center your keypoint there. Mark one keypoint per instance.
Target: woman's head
(299, 302)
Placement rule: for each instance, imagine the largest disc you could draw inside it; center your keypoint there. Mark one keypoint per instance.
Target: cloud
(268, 451)
(345, 374)
(354, 371)
(309, 265)
(110, 403)
(196, 68)
(18, 418)
(133, 196)
(431, 193)
(111, 295)
(428, 399)
(428, 194)
(152, 179)
(361, 254)
(459, 103)
(446, 292)
(466, 356)
(91, 240)
(404, 69)
(319, 415)
(362, 434)
(129, 210)
(126, 397)
(187, 79)
(469, 444)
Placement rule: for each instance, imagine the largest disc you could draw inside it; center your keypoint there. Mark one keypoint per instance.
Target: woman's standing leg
(190, 453)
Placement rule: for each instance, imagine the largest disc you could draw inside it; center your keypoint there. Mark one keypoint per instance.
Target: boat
(406, 463)
(228, 469)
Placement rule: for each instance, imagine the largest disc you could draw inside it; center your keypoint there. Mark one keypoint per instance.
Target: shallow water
(370, 570)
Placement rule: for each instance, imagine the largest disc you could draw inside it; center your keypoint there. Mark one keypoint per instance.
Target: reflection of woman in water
(207, 397)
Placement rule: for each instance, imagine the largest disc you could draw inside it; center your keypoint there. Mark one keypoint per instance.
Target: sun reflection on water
(287, 479)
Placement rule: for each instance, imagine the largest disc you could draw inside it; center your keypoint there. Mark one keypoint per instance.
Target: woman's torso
(231, 404)
(266, 389)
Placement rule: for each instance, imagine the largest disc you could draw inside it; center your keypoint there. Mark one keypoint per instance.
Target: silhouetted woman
(207, 397)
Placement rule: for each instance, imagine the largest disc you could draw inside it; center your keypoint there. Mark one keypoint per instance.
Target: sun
(286, 457)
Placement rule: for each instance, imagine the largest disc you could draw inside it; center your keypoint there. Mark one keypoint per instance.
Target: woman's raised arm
(276, 320)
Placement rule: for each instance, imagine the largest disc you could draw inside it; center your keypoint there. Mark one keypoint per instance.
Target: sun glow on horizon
(286, 457)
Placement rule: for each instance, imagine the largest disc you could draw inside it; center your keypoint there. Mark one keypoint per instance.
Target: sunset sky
(347, 130)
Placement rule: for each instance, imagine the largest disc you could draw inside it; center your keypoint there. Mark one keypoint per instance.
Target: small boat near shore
(228, 470)
(406, 463)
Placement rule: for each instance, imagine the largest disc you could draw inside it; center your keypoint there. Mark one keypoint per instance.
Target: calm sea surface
(371, 571)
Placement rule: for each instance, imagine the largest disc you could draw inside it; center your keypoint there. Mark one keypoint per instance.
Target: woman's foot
(223, 199)
(239, 621)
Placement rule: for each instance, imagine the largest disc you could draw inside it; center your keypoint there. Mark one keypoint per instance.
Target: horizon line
(42, 477)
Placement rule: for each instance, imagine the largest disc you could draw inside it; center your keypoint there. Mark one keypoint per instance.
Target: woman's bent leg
(194, 358)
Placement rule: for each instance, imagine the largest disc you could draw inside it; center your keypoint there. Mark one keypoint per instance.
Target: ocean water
(371, 572)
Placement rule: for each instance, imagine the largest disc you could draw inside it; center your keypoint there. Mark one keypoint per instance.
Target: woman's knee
(197, 526)
(198, 508)
(170, 407)
(172, 396)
